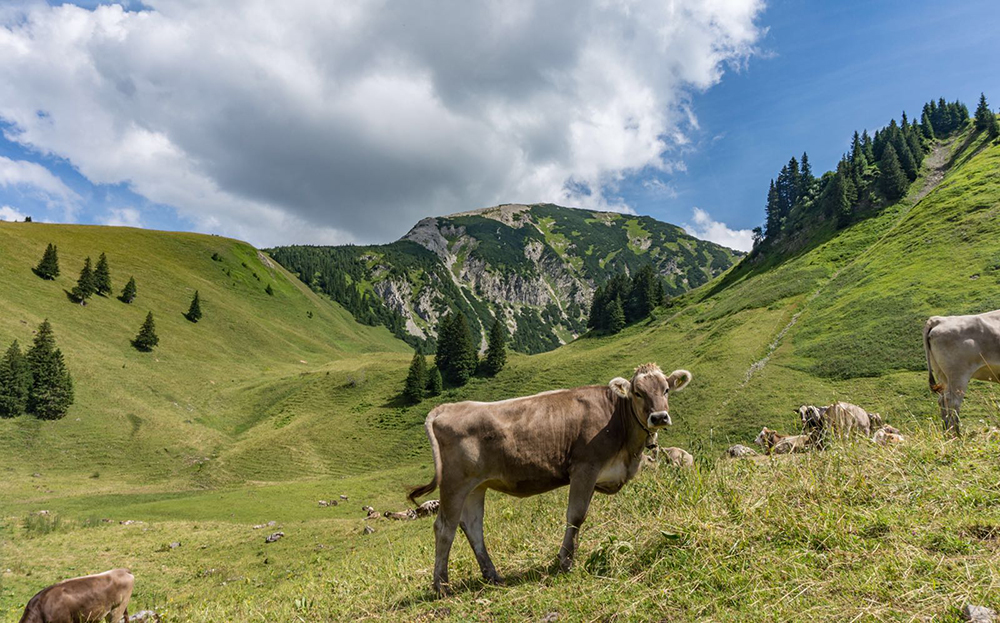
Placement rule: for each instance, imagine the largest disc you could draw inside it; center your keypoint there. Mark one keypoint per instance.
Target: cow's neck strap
(638, 421)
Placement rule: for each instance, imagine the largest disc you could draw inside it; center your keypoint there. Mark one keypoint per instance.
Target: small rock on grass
(274, 537)
(368, 530)
(978, 614)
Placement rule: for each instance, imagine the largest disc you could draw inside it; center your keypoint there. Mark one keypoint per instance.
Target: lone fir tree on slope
(194, 311)
(48, 267)
(434, 382)
(147, 337)
(102, 276)
(416, 379)
(128, 292)
(51, 392)
(85, 285)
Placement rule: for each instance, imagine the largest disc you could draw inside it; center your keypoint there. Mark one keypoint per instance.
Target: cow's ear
(678, 380)
(620, 386)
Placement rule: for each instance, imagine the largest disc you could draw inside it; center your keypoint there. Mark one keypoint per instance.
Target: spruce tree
(616, 316)
(102, 276)
(465, 354)
(194, 311)
(128, 292)
(985, 119)
(434, 382)
(416, 379)
(806, 178)
(147, 338)
(892, 179)
(48, 267)
(642, 297)
(445, 343)
(906, 159)
(496, 349)
(51, 392)
(85, 285)
(15, 382)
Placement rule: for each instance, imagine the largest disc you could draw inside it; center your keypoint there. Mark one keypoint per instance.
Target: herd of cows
(591, 438)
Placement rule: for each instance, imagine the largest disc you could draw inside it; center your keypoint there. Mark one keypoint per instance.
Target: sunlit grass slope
(147, 417)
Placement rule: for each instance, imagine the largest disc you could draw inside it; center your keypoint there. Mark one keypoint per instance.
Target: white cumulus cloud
(32, 178)
(332, 121)
(702, 226)
(123, 217)
(8, 213)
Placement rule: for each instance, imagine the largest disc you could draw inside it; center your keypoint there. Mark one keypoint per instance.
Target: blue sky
(320, 125)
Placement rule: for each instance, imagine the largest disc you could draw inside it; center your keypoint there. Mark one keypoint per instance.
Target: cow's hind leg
(581, 490)
(449, 515)
(472, 526)
(950, 401)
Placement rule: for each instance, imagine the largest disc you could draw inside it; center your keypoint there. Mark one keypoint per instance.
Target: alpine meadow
(266, 356)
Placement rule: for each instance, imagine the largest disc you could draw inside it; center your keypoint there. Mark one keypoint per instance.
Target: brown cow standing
(590, 438)
(89, 598)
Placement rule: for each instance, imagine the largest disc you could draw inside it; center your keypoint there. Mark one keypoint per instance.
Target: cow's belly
(988, 373)
(525, 488)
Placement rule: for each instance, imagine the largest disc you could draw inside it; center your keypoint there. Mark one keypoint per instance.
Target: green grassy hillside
(859, 532)
(149, 417)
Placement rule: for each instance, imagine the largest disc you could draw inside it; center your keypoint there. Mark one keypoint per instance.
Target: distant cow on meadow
(102, 596)
(590, 438)
(958, 349)
(679, 457)
(773, 442)
(839, 419)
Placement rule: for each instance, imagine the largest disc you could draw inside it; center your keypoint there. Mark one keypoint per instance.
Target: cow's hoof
(442, 589)
(565, 565)
(494, 579)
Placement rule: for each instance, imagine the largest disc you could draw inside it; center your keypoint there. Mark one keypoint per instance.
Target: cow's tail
(935, 386)
(416, 492)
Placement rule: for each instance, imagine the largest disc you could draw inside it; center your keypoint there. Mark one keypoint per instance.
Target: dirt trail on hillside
(936, 163)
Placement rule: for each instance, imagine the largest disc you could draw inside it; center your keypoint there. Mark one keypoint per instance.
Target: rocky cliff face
(535, 266)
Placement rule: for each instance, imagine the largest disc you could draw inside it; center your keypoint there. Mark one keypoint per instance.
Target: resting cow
(89, 598)
(590, 438)
(679, 457)
(958, 349)
(840, 419)
(773, 442)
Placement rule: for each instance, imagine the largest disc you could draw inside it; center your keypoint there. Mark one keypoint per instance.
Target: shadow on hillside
(475, 584)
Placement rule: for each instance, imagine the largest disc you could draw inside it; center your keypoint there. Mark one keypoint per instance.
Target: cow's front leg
(581, 490)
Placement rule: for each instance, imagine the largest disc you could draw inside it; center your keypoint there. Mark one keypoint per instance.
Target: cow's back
(85, 598)
(532, 438)
(844, 417)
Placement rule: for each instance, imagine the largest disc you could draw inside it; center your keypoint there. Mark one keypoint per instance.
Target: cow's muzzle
(660, 418)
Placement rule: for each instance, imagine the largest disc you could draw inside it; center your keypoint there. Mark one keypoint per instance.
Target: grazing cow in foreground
(679, 457)
(590, 438)
(103, 596)
(958, 349)
(840, 419)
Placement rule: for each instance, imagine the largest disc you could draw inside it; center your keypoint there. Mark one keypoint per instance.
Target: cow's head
(875, 420)
(811, 417)
(765, 439)
(648, 390)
